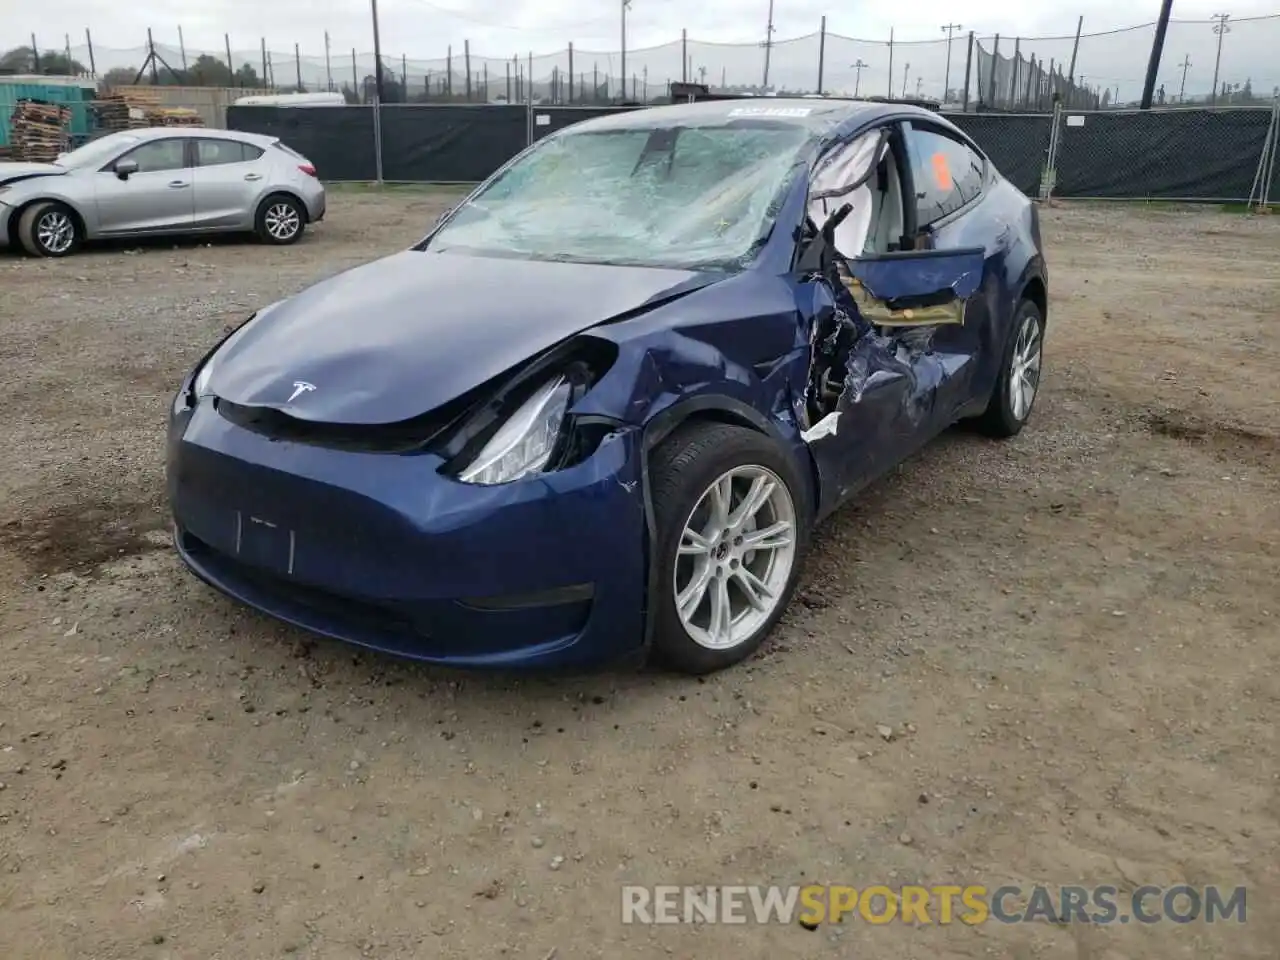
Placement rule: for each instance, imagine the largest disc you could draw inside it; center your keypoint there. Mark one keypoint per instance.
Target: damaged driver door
(874, 392)
(907, 297)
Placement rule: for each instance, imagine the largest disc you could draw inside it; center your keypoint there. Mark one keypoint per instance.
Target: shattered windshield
(665, 197)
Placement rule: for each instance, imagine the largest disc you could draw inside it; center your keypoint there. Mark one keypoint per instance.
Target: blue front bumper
(383, 551)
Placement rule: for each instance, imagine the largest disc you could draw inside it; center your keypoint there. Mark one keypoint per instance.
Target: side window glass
(212, 153)
(947, 174)
(158, 155)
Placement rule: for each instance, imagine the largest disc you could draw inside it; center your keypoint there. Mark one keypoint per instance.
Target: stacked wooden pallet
(39, 131)
(126, 108)
(174, 117)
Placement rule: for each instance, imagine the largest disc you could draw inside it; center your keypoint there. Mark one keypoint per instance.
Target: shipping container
(76, 93)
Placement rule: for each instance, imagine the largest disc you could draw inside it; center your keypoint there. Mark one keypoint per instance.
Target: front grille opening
(405, 436)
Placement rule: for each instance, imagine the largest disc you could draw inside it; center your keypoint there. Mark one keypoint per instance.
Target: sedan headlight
(525, 441)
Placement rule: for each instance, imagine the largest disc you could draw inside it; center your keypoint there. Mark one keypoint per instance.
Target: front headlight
(201, 386)
(526, 440)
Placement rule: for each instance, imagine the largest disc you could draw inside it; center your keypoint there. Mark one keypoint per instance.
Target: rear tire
(281, 220)
(1019, 382)
(49, 229)
(711, 559)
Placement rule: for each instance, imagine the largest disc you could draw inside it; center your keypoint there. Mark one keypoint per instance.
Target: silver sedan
(159, 181)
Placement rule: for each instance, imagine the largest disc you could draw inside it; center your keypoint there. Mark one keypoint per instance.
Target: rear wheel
(48, 229)
(1019, 382)
(732, 524)
(281, 220)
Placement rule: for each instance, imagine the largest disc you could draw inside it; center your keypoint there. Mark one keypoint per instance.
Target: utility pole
(378, 87)
(1157, 51)
(182, 50)
(1182, 91)
(948, 29)
(768, 45)
(328, 66)
(1221, 29)
(905, 68)
(857, 77)
(626, 5)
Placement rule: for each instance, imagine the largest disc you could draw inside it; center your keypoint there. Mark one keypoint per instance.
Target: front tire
(732, 521)
(48, 229)
(281, 220)
(1019, 382)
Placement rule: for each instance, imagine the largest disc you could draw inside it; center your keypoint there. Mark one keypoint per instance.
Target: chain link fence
(1218, 61)
(1219, 154)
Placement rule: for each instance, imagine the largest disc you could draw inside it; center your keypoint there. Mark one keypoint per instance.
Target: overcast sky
(424, 30)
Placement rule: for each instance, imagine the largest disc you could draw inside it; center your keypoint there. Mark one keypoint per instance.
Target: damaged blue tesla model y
(598, 410)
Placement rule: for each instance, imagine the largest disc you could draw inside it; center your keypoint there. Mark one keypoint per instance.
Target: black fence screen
(1165, 155)
(338, 140)
(1186, 154)
(449, 143)
(1017, 145)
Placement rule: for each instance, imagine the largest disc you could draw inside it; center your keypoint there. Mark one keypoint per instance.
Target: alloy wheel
(55, 232)
(735, 557)
(282, 221)
(1024, 372)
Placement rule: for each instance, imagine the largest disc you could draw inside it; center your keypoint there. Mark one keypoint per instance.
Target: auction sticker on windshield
(770, 111)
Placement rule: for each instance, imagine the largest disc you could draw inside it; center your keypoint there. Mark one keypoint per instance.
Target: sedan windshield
(664, 197)
(96, 152)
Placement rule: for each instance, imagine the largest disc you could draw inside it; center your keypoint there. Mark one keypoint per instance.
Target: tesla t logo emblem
(299, 388)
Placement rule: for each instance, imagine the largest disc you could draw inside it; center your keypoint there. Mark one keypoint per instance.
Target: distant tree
(246, 76)
(120, 76)
(1106, 97)
(52, 63)
(208, 71)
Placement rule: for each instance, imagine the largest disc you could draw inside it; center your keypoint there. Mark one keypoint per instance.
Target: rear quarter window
(948, 173)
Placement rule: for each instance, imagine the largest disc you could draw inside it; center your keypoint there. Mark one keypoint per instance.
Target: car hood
(10, 171)
(399, 337)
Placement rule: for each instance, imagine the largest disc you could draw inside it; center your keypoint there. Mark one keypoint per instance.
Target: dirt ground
(1072, 637)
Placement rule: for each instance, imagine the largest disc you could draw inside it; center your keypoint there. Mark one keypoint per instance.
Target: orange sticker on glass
(942, 173)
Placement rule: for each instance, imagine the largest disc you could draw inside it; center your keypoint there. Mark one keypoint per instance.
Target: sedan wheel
(280, 221)
(1019, 383)
(732, 521)
(48, 230)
